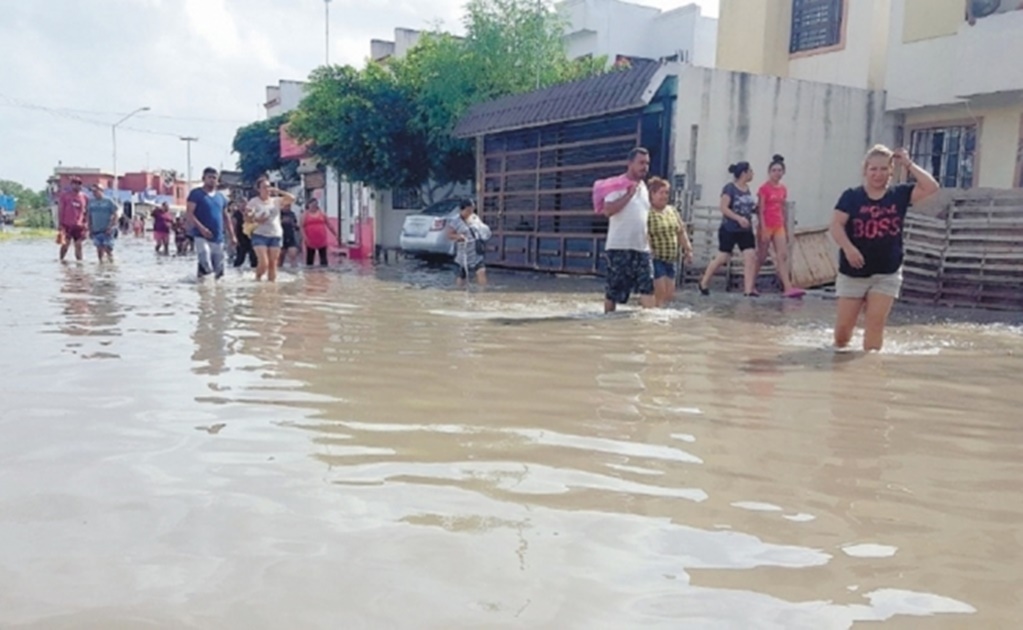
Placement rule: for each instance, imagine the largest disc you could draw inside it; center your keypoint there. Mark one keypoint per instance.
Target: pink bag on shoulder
(604, 187)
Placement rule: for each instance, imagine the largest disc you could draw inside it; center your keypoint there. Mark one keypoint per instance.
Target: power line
(73, 113)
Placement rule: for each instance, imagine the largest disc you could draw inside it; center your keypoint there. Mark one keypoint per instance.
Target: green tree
(359, 122)
(259, 149)
(390, 125)
(26, 199)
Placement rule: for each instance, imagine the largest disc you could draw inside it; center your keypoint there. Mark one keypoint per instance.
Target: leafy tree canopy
(389, 125)
(259, 149)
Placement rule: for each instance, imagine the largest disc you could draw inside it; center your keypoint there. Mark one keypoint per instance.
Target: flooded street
(375, 449)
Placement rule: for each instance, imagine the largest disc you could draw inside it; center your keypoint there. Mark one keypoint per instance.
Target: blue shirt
(100, 212)
(209, 212)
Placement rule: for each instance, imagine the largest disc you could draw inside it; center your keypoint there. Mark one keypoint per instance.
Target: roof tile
(607, 93)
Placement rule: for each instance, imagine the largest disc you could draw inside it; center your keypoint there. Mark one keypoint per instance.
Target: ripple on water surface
(354, 444)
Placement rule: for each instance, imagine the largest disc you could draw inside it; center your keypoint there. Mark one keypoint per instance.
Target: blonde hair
(878, 150)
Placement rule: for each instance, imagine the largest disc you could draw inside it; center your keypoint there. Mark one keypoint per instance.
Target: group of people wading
(265, 230)
(646, 238)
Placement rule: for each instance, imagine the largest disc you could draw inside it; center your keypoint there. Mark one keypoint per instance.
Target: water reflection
(308, 454)
(89, 302)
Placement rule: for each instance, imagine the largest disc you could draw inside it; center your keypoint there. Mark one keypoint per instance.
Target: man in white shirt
(630, 267)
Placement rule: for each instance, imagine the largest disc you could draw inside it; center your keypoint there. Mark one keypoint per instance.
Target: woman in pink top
(772, 198)
(315, 228)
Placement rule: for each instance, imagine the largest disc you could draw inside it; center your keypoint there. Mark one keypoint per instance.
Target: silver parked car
(426, 233)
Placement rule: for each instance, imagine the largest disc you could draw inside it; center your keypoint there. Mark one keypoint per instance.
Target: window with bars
(947, 152)
(815, 24)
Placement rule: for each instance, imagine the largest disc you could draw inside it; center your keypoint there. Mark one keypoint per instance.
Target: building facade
(954, 76)
(947, 67)
(614, 28)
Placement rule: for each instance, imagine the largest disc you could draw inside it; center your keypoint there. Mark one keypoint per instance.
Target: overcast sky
(71, 68)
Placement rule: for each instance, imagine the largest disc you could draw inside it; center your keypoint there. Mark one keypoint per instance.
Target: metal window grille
(947, 152)
(815, 24)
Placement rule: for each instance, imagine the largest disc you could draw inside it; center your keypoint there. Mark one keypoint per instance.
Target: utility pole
(188, 140)
(326, 27)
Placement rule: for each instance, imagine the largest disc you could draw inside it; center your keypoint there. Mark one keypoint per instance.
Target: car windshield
(441, 208)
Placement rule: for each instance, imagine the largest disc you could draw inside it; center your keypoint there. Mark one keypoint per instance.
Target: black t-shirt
(875, 227)
(288, 222)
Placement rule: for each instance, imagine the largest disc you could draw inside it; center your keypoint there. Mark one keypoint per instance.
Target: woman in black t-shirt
(868, 226)
(738, 205)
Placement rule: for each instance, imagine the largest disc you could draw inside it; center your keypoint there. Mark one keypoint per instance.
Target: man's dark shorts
(628, 271)
(73, 232)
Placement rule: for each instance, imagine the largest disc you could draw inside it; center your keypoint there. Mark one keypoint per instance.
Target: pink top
(773, 199)
(72, 208)
(314, 229)
(604, 187)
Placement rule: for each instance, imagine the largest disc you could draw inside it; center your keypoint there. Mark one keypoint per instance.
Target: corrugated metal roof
(614, 91)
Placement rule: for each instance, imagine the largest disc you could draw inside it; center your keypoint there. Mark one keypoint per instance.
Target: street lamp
(113, 135)
(326, 24)
(189, 140)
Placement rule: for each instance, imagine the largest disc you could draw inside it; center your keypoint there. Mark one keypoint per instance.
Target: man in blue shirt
(207, 214)
(102, 215)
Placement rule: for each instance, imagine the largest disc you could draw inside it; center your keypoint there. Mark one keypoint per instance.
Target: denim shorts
(102, 239)
(258, 240)
(664, 269)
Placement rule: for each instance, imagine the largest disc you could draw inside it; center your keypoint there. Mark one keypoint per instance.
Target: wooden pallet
(966, 249)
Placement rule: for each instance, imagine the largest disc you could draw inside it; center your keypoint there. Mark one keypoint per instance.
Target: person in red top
(315, 228)
(162, 228)
(72, 218)
(772, 199)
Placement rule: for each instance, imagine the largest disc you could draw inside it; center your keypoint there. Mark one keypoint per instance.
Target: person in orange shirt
(772, 199)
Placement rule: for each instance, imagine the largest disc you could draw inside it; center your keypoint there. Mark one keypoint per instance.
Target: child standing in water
(772, 198)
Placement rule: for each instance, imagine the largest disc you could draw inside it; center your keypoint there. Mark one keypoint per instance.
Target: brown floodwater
(365, 448)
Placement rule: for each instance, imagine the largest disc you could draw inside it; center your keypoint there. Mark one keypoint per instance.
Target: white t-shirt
(271, 209)
(628, 229)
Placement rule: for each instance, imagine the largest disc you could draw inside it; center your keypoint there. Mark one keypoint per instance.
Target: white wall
(851, 66)
(288, 95)
(822, 130)
(404, 40)
(980, 59)
(613, 27)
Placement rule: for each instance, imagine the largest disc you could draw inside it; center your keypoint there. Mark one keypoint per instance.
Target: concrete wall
(613, 27)
(390, 220)
(822, 130)
(284, 97)
(932, 64)
(380, 49)
(999, 139)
